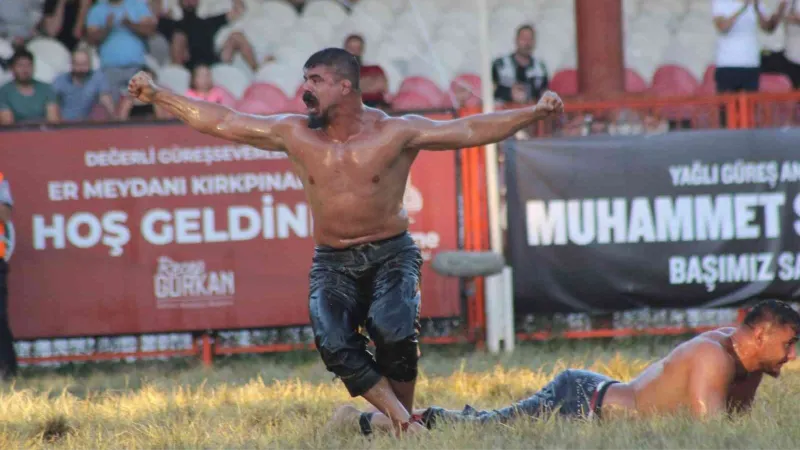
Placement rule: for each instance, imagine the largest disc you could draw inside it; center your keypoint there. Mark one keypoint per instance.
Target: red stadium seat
(634, 82)
(774, 82)
(265, 92)
(565, 82)
(227, 98)
(467, 89)
(674, 80)
(259, 106)
(709, 84)
(424, 87)
(413, 100)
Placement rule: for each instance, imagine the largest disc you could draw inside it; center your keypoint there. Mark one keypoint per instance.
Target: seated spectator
(374, 85)
(202, 86)
(520, 77)
(192, 37)
(738, 55)
(81, 89)
(131, 108)
(119, 29)
(25, 99)
(18, 19)
(65, 20)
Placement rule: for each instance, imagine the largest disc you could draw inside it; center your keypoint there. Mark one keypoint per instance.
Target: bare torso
(355, 188)
(663, 387)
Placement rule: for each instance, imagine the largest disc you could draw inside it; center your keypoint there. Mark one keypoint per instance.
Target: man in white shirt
(738, 55)
(791, 49)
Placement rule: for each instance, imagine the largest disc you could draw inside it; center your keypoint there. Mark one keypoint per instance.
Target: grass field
(283, 401)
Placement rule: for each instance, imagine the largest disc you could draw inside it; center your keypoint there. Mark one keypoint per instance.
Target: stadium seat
(228, 99)
(332, 11)
(467, 89)
(565, 82)
(673, 80)
(282, 13)
(174, 77)
(230, 78)
(286, 77)
(52, 51)
(774, 82)
(412, 100)
(251, 106)
(44, 72)
(634, 82)
(322, 29)
(376, 10)
(6, 50)
(424, 87)
(265, 93)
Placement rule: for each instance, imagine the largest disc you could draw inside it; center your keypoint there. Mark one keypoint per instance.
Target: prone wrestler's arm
(476, 130)
(710, 378)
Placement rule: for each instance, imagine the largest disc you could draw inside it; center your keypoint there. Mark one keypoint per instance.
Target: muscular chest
(338, 166)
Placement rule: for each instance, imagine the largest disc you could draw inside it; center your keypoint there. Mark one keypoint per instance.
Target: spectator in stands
(119, 29)
(130, 108)
(791, 50)
(25, 99)
(8, 357)
(374, 84)
(80, 90)
(18, 19)
(65, 20)
(202, 86)
(738, 55)
(192, 37)
(520, 77)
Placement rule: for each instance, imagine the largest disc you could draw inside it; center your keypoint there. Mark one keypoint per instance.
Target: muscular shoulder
(707, 351)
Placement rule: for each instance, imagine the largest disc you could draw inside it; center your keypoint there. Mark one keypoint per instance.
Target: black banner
(696, 219)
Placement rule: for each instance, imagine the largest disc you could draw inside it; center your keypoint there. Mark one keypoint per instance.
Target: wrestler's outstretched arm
(425, 134)
(213, 119)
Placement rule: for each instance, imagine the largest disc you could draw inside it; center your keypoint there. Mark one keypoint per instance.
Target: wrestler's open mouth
(310, 101)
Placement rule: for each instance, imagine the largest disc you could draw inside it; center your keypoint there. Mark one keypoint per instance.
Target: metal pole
(495, 291)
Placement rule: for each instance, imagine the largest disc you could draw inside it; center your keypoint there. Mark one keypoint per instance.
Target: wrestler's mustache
(309, 99)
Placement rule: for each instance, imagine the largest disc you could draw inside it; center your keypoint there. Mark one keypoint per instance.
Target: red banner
(146, 229)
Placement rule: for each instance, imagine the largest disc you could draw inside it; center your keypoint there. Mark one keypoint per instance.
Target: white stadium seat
(287, 78)
(331, 10)
(6, 51)
(174, 77)
(52, 51)
(374, 9)
(44, 72)
(232, 79)
(282, 13)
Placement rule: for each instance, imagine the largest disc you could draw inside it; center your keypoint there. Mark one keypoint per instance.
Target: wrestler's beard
(318, 120)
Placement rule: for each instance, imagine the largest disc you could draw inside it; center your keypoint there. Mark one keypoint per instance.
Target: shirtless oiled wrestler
(715, 372)
(354, 162)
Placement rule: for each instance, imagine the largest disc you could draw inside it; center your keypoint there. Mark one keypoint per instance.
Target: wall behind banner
(158, 228)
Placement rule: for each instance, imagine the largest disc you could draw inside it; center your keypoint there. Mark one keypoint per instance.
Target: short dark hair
(355, 36)
(340, 60)
(773, 311)
(20, 54)
(524, 27)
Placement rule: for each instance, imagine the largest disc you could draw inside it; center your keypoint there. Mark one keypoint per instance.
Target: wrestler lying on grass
(715, 372)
